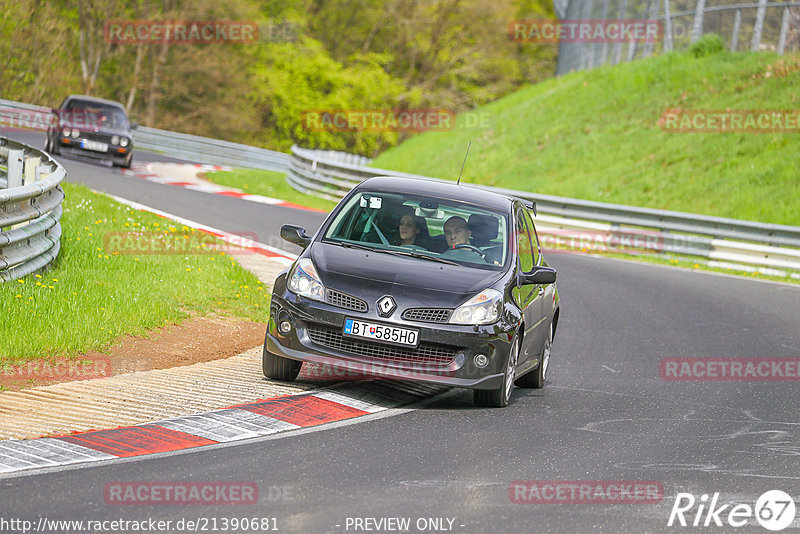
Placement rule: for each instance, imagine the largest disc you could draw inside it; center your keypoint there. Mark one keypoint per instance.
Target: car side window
(533, 236)
(524, 244)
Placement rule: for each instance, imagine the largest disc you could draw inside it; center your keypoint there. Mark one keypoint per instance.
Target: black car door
(527, 296)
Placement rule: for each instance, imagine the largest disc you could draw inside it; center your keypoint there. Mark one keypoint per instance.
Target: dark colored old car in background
(470, 303)
(92, 127)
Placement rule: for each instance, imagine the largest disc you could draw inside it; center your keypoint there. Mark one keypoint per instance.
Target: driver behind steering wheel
(457, 234)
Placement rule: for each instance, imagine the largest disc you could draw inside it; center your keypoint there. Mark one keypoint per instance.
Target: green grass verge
(268, 184)
(595, 135)
(91, 296)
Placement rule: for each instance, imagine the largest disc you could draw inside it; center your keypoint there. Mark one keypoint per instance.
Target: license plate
(94, 145)
(404, 337)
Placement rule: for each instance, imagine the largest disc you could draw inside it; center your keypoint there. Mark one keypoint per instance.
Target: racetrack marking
(136, 440)
(143, 171)
(242, 422)
(281, 256)
(231, 424)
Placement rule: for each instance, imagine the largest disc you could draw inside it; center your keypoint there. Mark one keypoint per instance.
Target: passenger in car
(412, 230)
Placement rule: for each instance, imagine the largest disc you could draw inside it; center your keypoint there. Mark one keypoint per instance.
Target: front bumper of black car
(111, 154)
(445, 353)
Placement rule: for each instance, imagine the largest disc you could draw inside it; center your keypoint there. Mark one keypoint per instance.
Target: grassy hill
(596, 135)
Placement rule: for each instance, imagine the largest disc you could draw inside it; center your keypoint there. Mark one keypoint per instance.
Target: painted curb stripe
(143, 172)
(137, 440)
(227, 425)
(304, 410)
(235, 423)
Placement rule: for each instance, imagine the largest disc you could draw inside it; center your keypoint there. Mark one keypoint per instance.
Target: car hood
(412, 281)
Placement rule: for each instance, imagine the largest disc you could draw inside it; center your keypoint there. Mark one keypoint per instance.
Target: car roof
(440, 189)
(94, 100)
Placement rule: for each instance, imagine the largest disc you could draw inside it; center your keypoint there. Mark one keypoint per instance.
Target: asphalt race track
(606, 413)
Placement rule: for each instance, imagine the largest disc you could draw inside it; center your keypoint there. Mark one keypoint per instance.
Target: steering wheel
(472, 248)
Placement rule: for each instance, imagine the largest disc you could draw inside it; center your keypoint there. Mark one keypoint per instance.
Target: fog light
(285, 327)
(481, 360)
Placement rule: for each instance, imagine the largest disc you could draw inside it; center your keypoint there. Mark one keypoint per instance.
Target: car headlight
(75, 133)
(65, 132)
(114, 139)
(483, 308)
(304, 281)
(123, 141)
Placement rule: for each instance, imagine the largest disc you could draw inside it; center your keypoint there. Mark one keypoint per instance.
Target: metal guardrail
(30, 209)
(330, 175)
(206, 150)
(178, 145)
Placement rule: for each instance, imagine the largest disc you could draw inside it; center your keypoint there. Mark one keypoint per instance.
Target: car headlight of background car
(483, 308)
(115, 140)
(123, 141)
(304, 281)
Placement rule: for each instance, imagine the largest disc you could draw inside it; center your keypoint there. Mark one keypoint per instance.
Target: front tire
(498, 398)
(279, 368)
(536, 379)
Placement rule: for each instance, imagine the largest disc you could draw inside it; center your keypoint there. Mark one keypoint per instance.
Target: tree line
(309, 55)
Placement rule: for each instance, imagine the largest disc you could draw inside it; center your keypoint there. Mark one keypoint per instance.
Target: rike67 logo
(774, 510)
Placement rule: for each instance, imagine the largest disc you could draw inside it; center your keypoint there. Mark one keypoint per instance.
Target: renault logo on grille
(386, 305)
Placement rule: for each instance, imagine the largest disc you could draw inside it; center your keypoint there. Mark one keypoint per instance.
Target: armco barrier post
(29, 170)
(15, 158)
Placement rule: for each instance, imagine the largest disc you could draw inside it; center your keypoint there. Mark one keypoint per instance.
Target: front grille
(426, 354)
(428, 315)
(343, 300)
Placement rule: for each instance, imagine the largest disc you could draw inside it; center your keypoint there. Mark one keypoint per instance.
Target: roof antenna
(462, 165)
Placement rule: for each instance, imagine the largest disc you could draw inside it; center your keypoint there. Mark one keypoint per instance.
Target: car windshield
(102, 115)
(426, 228)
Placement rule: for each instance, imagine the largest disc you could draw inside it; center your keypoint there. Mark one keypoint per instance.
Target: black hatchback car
(419, 280)
(92, 127)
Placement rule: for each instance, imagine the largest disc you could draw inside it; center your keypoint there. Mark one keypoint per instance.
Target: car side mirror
(295, 234)
(134, 125)
(540, 275)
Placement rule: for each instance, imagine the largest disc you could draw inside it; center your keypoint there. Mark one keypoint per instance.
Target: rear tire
(279, 368)
(498, 398)
(537, 377)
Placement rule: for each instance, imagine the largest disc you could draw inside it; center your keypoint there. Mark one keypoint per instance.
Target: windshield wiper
(420, 256)
(348, 244)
